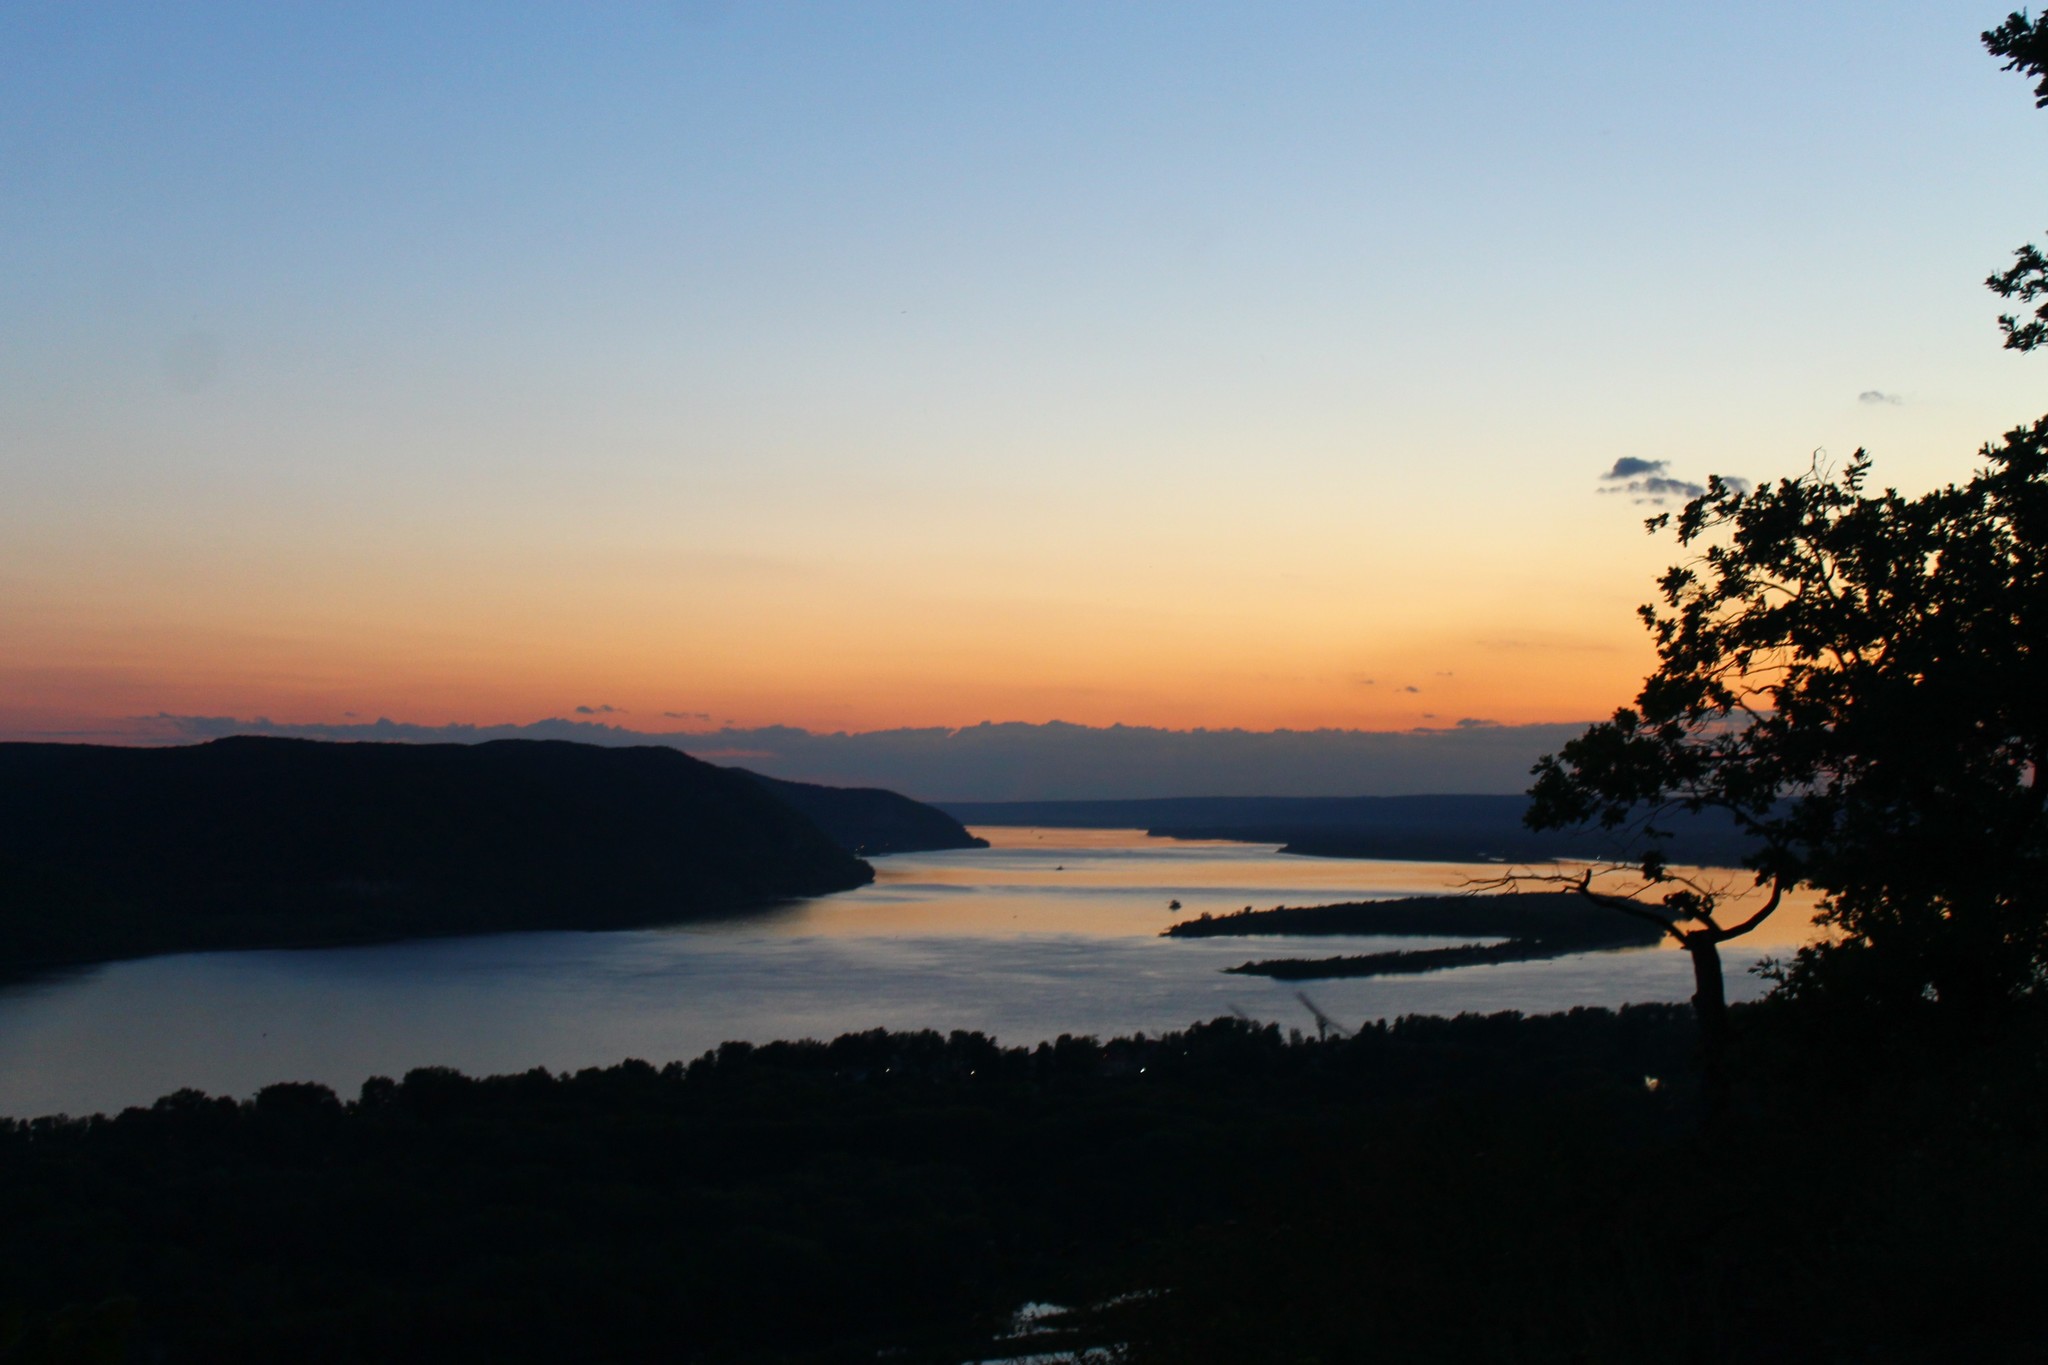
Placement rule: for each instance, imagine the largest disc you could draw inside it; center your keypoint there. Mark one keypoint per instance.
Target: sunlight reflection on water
(1049, 932)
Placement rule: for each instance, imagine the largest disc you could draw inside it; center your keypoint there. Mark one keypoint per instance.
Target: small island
(1511, 928)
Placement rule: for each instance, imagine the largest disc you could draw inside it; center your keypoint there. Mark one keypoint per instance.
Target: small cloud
(1657, 488)
(1629, 467)
(348, 715)
(704, 716)
(1363, 682)
(1648, 483)
(1411, 688)
(1877, 396)
(1477, 723)
(606, 710)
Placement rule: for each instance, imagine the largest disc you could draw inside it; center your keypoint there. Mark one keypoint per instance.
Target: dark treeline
(1472, 1188)
(109, 852)
(1873, 1192)
(1451, 828)
(1532, 927)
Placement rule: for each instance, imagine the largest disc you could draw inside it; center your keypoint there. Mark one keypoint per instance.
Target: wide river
(1047, 932)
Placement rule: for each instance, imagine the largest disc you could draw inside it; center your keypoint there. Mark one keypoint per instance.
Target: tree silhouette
(2024, 45)
(1860, 681)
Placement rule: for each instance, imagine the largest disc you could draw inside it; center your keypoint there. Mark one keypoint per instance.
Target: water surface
(1047, 932)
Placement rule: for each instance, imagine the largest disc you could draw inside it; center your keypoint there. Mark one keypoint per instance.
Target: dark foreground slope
(1476, 1189)
(1452, 828)
(869, 822)
(109, 852)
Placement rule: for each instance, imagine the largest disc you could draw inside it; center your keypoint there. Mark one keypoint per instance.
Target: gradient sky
(858, 365)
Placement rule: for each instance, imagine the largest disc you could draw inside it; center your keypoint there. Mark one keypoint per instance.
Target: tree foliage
(2023, 43)
(1857, 679)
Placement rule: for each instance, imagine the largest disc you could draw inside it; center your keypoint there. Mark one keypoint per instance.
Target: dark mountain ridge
(108, 852)
(868, 821)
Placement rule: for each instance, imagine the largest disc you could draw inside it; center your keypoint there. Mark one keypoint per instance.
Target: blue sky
(862, 365)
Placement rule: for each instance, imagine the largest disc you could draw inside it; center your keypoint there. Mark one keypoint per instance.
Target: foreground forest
(1479, 1188)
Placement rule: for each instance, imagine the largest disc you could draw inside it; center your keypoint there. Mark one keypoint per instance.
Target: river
(1046, 932)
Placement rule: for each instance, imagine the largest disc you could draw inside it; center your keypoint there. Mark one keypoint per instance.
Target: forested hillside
(108, 852)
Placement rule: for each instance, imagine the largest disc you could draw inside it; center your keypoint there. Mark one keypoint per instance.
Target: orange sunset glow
(468, 426)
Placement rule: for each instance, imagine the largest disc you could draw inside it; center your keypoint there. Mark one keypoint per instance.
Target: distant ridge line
(1456, 828)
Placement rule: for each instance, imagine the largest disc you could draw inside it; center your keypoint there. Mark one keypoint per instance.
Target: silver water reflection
(1049, 932)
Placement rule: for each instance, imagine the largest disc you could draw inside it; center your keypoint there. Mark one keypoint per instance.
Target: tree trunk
(1710, 1008)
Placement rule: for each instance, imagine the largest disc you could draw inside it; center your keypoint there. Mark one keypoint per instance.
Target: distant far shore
(1465, 829)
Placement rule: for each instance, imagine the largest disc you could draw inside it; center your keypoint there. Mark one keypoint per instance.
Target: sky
(860, 366)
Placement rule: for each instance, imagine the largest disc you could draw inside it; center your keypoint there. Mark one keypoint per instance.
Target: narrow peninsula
(1514, 928)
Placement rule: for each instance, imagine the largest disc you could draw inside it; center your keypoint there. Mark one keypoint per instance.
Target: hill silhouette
(109, 852)
(867, 821)
(1470, 828)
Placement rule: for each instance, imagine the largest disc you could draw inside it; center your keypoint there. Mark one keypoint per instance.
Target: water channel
(1046, 932)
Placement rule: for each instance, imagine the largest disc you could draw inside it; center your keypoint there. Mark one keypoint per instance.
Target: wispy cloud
(1879, 396)
(1629, 467)
(1650, 483)
(606, 710)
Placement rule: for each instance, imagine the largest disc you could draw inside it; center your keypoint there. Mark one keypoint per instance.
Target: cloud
(1411, 688)
(704, 716)
(1476, 723)
(1650, 483)
(1875, 396)
(1629, 467)
(606, 710)
(1657, 489)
